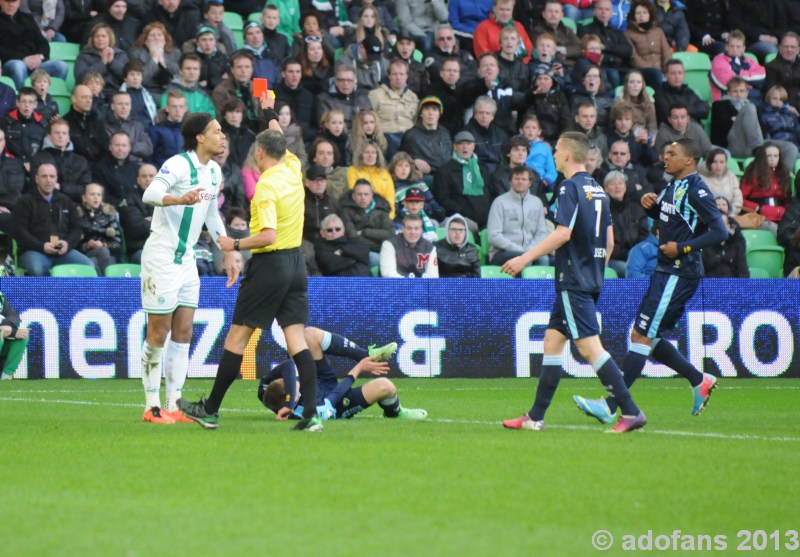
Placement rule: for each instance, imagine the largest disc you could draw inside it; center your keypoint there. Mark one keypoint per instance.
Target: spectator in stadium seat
(513, 70)
(366, 219)
(101, 241)
(213, 15)
(734, 121)
(265, 62)
(215, 67)
(591, 53)
(789, 236)
(549, 103)
(644, 110)
(72, 169)
(119, 118)
(552, 23)
(343, 94)
(188, 83)
(784, 70)
(165, 135)
(277, 43)
(761, 22)
(336, 254)
(409, 254)
(651, 51)
(674, 91)
(323, 152)
(135, 215)
(591, 90)
(639, 141)
(460, 185)
(680, 125)
(89, 138)
(312, 30)
(45, 104)
(779, 120)
(12, 180)
(489, 137)
(49, 23)
(24, 128)
(370, 165)
(404, 49)
(420, 18)
(455, 101)
(515, 152)
(412, 202)
(516, 220)
(727, 259)
(457, 257)
(395, 105)
(734, 62)
(368, 60)
(178, 18)
(23, 48)
(319, 202)
(643, 256)
(143, 104)
(122, 23)
(617, 50)
(291, 90)
(708, 25)
(586, 122)
(46, 226)
(238, 85)
(627, 217)
(155, 49)
(446, 47)
(239, 136)
(720, 180)
(116, 171)
(671, 16)
(428, 143)
(487, 34)
(498, 90)
(619, 160)
(102, 55)
(766, 186)
(232, 194)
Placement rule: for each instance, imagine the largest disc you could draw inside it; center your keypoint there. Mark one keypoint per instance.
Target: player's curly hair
(274, 396)
(193, 125)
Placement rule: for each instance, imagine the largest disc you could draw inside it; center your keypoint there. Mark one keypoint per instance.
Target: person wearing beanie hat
(184, 193)
(367, 58)
(428, 143)
(214, 60)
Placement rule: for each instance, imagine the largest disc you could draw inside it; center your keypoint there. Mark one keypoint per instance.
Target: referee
(275, 284)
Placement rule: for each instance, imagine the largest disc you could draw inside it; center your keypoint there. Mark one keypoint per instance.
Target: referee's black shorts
(275, 286)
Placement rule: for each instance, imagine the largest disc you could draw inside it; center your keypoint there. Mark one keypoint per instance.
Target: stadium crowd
(426, 128)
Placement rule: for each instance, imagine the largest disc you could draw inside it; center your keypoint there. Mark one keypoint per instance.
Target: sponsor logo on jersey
(164, 171)
(206, 196)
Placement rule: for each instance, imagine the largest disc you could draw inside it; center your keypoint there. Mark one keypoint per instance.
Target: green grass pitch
(83, 476)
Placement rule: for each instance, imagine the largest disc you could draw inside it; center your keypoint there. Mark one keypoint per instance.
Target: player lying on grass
(278, 390)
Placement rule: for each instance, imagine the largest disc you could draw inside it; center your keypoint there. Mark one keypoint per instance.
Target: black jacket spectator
(553, 111)
(12, 180)
(90, 61)
(630, 226)
(301, 101)
(317, 208)
(433, 146)
(448, 189)
(353, 260)
(239, 141)
(350, 104)
(457, 261)
(617, 52)
(674, 25)
(755, 18)
(488, 145)
(468, 64)
(234, 187)
(24, 136)
(370, 229)
(73, 169)
(88, 135)
(117, 177)
(789, 235)
(20, 36)
(728, 259)
(455, 103)
(666, 96)
(181, 24)
(277, 43)
(786, 74)
(34, 220)
(133, 215)
(707, 17)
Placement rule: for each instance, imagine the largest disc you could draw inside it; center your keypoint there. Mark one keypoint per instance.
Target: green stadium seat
(485, 246)
(770, 57)
(64, 103)
(755, 238)
(758, 272)
(70, 75)
(746, 162)
(376, 271)
(585, 22)
(8, 81)
(610, 273)
(734, 167)
(570, 23)
(337, 54)
(694, 61)
(255, 16)
(120, 270)
(68, 52)
(73, 271)
(796, 168)
(769, 258)
(233, 20)
(538, 272)
(493, 271)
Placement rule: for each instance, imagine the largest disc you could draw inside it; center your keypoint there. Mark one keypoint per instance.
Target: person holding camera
(46, 226)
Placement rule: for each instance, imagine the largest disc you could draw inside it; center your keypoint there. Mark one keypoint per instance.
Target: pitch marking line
(669, 432)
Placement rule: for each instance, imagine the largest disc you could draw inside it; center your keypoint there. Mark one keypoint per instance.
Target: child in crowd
(332, 128)
(777, 118)
(405, 175)
(100, 101)
(540, 156)
(46, 106)
(101, 235)
(143, 104)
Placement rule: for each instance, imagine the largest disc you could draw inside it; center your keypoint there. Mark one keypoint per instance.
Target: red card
(260, 86)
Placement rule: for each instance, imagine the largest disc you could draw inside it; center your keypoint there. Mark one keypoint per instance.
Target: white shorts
(166, 286)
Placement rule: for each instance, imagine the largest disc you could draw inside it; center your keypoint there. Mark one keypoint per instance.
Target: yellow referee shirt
(279, 203)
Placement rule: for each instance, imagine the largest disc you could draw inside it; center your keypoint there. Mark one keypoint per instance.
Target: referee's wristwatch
(236, 244)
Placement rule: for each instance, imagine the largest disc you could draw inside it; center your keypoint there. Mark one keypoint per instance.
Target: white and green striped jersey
(175, 229)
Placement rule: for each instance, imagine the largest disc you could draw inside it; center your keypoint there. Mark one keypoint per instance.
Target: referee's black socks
(229, 367)
(307, 370)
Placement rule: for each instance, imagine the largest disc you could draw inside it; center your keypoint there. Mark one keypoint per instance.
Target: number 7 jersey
(583, 207)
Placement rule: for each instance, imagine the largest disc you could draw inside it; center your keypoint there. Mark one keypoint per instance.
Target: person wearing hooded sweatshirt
(516, 220)
(457, 257)
(73, 169)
